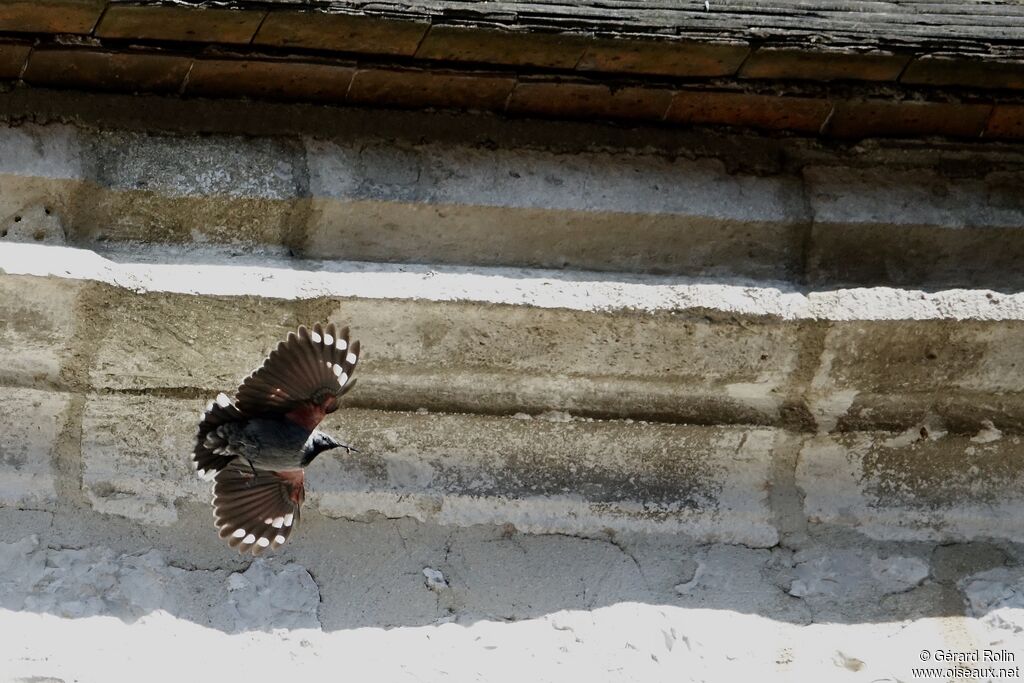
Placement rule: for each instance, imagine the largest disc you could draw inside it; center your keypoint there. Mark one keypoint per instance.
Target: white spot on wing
(208, 475)
(249, 539)
(315, 337)
(328, 340)
(239, 533)
(342, 344)
(278, 522)
(337, 370)
(351, 358)
(268, 520)
(288, 519)
(223, 401)
(279, 539)
(263, 542)
(342, 378)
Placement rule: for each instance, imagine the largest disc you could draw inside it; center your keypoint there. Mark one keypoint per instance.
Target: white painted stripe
(182, 270)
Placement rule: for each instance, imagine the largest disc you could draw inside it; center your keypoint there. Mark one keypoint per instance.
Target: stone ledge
(827, 223)
(494, 341)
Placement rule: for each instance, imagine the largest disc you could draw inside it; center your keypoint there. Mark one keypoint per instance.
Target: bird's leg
(253, 468)
(349, 449)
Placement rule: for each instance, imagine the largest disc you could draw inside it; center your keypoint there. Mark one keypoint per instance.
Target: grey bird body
(257, 445)
(266, 444)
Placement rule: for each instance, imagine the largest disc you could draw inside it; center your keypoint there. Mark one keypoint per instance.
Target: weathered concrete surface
(361, 197)
(89, 582)
(352, 596)
(910, 227)
(920, 484)
(534, 342)
(31, 423)
(544, 475)
(593, 211)
(556, 474)
(674, 350)
(37, 327)
(163, 189)
(803, 482)
(133, 472)
(670, 350)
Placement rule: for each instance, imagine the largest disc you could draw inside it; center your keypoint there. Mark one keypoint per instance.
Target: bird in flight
(256, 447)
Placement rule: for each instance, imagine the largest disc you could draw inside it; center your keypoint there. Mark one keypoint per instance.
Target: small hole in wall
(17, 219)
(38, 235)
(47, 210)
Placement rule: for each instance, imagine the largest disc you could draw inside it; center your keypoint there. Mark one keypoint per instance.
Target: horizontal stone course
(553, 473)
(541, 475)
(921, 484)
(706, 354)
(366, 199)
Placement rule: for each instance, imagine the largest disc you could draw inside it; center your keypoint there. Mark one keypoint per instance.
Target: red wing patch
(295, 480)
(309, 415)
(303, 377)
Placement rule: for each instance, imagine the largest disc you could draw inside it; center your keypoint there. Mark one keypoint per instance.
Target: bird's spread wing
(303, 377)
(256, 510)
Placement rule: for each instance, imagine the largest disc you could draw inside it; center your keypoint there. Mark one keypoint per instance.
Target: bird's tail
(209, 456)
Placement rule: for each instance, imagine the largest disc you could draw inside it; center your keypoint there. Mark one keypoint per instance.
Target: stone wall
(727, 408)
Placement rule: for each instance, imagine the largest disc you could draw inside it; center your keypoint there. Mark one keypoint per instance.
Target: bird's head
(320, 442)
